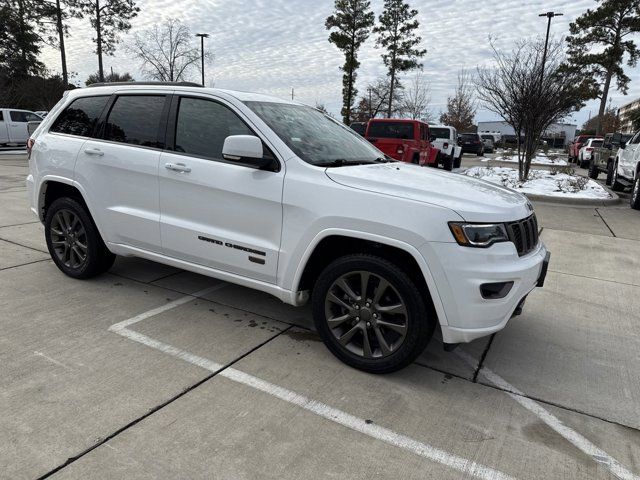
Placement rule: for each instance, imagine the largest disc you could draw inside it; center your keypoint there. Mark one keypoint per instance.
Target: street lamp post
(549, 16)
(202, 37)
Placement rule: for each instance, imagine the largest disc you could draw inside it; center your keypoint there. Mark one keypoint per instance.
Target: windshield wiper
(341, 162)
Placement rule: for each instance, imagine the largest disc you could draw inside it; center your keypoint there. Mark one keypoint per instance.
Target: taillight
(30, 143)
(400, 150)
(445, 145)
(589, 149)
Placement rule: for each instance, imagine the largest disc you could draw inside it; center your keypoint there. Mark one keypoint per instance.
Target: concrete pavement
(233, 384)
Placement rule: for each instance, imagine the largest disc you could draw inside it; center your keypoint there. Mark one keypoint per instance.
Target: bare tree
(528, 96)
(167, 52)
(376, 99)
(416, 99)
(461, 107)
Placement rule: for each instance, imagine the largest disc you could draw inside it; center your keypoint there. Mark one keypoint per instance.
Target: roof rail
(175, 84)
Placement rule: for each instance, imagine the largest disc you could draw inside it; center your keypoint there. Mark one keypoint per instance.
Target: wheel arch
(332, 244)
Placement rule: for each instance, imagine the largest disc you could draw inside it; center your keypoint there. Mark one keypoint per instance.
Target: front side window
(24, 117)
(313, 136)
(135, 119)
(203, 125)
(80, 117)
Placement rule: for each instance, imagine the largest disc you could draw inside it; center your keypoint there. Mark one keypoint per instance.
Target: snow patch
(542, 182)
(539, 159)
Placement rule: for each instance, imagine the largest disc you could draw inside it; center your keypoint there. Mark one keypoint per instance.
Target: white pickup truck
(13, 126)
(445, 139)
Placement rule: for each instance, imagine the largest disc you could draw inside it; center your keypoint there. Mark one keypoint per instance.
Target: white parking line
(464, 465)
(577, 440)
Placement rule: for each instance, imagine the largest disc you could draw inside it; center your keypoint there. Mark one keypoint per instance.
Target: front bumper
(460, 271)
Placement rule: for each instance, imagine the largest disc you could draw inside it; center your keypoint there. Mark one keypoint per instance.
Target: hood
(473, 199)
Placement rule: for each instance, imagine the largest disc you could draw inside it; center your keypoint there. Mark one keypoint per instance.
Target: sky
(272, 46)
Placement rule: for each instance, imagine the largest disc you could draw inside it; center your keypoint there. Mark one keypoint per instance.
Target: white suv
(445, 139)
(276, 196)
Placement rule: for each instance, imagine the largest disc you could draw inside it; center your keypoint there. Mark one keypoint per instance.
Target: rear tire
(379, 330)
(609, 174)
(73, 240)
(448, 163)
(635, 194)
(616, 186)
(457, 161)
(593, 170)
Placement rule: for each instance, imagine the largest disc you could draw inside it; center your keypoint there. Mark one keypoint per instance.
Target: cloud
(270, 46)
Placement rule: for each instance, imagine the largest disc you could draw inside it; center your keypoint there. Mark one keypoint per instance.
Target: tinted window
(596, 143)
(135, 120)
(1, 117)
(440, 132)
(635, 139)
(469, 137)
(203, 125)
(391, 130)
(359, 127)
(24, 117)
(80, 117)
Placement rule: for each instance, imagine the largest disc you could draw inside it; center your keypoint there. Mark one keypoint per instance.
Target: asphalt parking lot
(153, 372)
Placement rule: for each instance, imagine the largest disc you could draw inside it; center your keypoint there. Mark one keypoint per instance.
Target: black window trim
(95, 127)
(99, 131)
(172, 125)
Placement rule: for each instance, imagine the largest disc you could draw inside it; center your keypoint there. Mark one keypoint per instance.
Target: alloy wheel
(69, 239)
(366, 314)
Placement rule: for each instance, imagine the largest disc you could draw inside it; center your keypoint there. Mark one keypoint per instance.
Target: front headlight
(481, 235)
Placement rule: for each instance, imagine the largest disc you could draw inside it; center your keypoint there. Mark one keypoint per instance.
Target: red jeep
(576, 145)
(405, 140)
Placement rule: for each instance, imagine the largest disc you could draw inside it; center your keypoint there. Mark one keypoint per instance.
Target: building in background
(558, 135)
(624, 116)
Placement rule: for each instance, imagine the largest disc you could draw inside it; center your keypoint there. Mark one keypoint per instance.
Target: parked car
(487, 141)
(385, 251)
(602, 158)
(444, 138)
(585, 153)
(576, 145)
(359, 127)
(471, 143)
(625, 169)
(496, 137)
(13, 126)
(405, 140)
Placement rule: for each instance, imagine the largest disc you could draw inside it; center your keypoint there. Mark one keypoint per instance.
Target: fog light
(493, 291)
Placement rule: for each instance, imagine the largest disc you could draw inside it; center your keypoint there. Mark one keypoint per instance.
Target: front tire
(457, 161)
(635, 194)
(73, 240)
(370, 314)
(447, 164)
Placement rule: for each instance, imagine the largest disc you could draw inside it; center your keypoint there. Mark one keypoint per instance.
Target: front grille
(524, 234)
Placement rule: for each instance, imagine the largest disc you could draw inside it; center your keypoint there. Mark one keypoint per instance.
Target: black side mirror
(623, 145)
(432, 138)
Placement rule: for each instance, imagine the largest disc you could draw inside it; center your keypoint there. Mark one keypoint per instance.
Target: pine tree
(396, 34)
(19, 42)
(351, 23)
(599, 43)
(108, 19)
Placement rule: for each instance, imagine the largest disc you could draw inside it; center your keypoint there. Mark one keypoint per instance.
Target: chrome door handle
(94, 151)
(177, 167)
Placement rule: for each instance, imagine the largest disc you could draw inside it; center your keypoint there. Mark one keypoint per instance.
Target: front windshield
(313, 136)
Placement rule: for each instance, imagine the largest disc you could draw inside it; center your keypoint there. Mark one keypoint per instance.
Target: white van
(13, 126)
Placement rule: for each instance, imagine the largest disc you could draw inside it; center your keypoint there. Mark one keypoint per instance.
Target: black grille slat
(524, 234)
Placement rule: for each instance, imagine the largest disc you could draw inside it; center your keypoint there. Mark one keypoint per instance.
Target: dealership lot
(149, 371)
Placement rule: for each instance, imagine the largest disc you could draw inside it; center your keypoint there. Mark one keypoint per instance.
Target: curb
(586, 202)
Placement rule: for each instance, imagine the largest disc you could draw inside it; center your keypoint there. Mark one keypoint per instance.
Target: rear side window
(203, 125)
(135, 119)
(391, 130)
(24, 117)
(80, 117)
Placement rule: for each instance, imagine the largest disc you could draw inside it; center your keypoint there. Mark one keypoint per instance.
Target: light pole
(202, 37)
(549, 16)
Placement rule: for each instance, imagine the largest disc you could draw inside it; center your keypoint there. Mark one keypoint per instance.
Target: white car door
(18, 119)
(4, 132)
(215, 212)
(120, 169)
